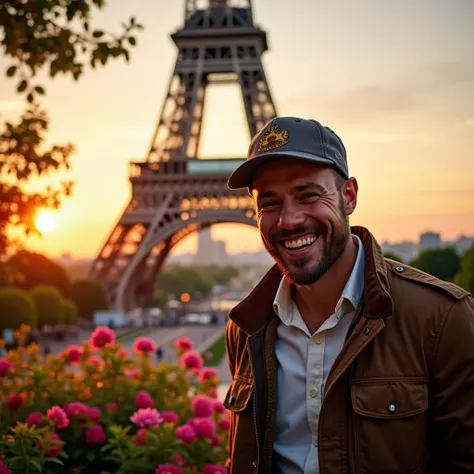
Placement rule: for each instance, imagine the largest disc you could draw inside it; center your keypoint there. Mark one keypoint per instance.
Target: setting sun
(46, 221)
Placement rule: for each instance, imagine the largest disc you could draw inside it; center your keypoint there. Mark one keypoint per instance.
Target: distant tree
(442, 263)
(49, 305)
(17, 307)
(465, 276)
(218, 275)
(174, 281)
(56, 36)
(71, 313)
(89, 296)
(392, 256)
(29, 269)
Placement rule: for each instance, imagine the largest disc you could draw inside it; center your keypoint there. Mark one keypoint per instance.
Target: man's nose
(290, 217)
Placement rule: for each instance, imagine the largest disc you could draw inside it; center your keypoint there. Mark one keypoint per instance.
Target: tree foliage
(71, 313)
(29, 269)
(54, 36)
(465, 276)
(17, 307)
(49, 305)
(89, 296)
(442, 263)
(197, 281)
(392, 256)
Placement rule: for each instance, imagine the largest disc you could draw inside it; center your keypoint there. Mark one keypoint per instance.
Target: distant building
(428, 241)
(210, 252)
(406, 251)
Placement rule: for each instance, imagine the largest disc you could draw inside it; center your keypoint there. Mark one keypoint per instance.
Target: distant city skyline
(394, 79)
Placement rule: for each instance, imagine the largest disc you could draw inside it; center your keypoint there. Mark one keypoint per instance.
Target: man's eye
(267, 204)
(308, 196)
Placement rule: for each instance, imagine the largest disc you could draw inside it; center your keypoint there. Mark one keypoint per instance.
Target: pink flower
(95, 435)
(144, 345)
(74, 353)
(123, 354)
(140, 438)
(208, 355)
(102, 337)
(219, 406)
(191, 360)
(34, 418)
(215, 440)
(143, 400)
(224, 423)
(146, 417)
(76, 409)
(4, 469)
(58, 415)
(5, 366)
(179, 459)
(202, 405)
(55, 446)
(132, 373)
(169, 417)
(94, 360)
(184, 343)
(111, 407)
(15, 400)
(186, 433)
(204, 427)
(208, 374)
(93, 413)
(168, 469)
(214, 469)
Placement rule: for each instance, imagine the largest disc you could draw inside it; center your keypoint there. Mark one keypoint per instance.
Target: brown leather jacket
(411, 346)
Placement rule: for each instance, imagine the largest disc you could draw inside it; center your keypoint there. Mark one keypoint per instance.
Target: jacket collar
(254, 311)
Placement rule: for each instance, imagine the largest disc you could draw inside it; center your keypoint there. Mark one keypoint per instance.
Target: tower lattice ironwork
(174, 192)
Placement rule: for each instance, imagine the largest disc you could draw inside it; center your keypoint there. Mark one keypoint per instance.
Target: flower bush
(92, 409)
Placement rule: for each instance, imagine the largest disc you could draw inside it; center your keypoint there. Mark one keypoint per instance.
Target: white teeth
(295, 244)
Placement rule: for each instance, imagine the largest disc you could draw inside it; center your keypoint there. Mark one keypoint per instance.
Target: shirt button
(313, 392)
(318, 340)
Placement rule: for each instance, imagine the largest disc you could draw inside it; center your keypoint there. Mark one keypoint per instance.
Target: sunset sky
(394, 79)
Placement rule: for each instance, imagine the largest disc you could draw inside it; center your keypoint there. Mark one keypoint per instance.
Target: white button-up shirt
(304, 361)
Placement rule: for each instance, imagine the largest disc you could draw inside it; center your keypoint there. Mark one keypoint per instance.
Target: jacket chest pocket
(389, 425)
(242, 449)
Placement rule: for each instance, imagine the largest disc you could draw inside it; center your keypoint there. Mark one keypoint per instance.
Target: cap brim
(242, 176)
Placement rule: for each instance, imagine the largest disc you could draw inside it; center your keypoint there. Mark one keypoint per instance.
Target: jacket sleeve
(453, 389)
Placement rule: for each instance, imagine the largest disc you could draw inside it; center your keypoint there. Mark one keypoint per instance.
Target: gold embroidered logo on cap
(273, 138)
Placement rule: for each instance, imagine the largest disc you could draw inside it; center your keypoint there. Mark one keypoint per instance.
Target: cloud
(370, 102)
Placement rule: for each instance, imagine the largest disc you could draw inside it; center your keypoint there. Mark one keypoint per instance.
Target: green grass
(217, 349)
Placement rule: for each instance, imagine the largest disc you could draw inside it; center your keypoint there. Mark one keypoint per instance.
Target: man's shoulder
(416, 292)
(413, 282)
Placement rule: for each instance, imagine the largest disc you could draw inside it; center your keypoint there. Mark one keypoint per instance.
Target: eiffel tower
(174, 192)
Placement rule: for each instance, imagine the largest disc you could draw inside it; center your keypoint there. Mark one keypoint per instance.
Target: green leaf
(36, 465)
(55, 460)
(132, 41)
(39, 90)
(22, 86)
(11, 71)
(97, 34)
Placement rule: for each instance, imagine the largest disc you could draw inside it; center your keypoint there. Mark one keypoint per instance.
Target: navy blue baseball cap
(291, 137)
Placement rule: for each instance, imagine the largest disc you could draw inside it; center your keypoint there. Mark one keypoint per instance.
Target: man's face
(303, 216)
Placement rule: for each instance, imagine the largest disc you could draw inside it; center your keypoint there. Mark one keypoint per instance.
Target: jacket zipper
(255, 463)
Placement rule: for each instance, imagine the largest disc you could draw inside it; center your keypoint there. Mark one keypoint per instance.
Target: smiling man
(342, 361)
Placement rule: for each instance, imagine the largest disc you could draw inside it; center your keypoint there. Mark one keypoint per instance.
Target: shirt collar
(283, 302)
